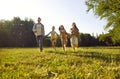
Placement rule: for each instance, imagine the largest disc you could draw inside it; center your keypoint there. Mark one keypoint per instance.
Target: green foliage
(16, 33)
(85, 63)
(107, 39)
(115, 35)
(87, 40)
(107, 9)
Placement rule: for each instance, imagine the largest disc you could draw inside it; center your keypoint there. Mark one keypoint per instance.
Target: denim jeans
(40, 42)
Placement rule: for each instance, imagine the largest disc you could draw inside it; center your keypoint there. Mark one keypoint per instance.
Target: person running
(39, 32)
(53, 37)
(74, 36)
(63, 36)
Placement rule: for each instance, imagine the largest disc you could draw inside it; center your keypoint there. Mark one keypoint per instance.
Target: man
(39, 32)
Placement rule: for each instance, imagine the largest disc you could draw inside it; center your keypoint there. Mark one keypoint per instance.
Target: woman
(74, 36)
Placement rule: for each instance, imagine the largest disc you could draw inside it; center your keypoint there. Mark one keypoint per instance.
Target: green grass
(84, 63)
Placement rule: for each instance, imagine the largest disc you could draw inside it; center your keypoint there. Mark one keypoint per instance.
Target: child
(74, 36)
(53, 37)
(63, 36)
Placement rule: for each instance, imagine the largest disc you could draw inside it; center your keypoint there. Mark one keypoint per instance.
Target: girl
(63, 36)
(53, 37)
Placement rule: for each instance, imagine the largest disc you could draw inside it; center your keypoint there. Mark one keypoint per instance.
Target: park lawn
(84, 63)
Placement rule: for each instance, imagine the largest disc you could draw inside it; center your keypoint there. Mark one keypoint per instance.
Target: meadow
(84, 63)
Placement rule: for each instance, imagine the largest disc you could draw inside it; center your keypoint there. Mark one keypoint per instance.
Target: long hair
(74, 24)
(62, 27)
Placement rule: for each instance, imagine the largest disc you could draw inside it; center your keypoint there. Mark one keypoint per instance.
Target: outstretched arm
(57, 34)
(48, 34)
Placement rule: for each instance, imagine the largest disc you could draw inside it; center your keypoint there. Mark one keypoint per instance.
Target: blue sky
(54, 12)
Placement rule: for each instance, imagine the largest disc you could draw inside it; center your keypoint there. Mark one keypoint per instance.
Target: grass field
(85, 63)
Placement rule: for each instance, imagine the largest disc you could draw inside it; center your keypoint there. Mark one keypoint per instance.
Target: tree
(22, 32)
(5, 33)
(114, 36)
(106, 39)
(87, 40)
(109, 10)
(17, 33)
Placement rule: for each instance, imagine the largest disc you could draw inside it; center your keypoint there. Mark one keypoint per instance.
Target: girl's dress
(74, 37)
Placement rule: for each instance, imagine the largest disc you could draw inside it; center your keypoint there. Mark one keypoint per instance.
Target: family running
(39, 32)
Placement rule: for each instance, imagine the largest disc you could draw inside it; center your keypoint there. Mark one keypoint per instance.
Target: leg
(73, 47)
(64, 45)
(41, 43)
(72, 43)
(37, 39)
(62, 42)
(53, 45)
(66, 41)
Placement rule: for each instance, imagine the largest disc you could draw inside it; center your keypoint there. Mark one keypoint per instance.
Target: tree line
(18, 33)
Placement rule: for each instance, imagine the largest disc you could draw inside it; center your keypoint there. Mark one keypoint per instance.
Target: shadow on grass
(94, 55)
(103, 47)
(98, 55)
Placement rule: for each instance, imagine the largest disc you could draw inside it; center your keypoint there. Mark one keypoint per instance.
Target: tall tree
(5, 33)
(17, 32)
(109, 10)
(22, 32)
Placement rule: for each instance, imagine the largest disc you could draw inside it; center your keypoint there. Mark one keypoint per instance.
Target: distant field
(84, 63)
